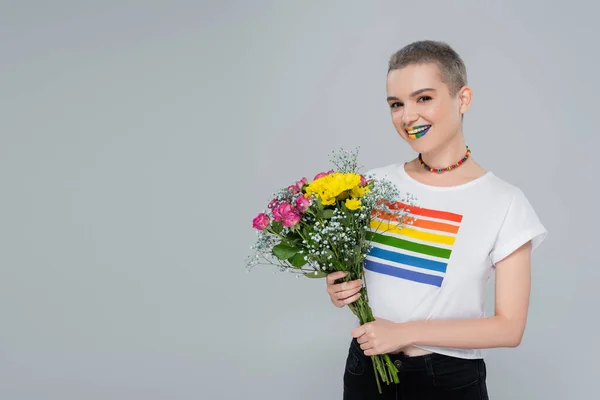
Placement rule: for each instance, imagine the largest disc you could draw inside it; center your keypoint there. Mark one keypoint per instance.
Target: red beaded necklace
(451, 167)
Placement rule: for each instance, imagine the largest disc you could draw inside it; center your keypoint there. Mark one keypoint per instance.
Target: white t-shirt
(437, 267)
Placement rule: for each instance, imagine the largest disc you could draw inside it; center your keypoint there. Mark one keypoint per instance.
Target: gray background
(139, 139)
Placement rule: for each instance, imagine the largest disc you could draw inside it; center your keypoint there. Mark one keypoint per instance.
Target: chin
(421, 145)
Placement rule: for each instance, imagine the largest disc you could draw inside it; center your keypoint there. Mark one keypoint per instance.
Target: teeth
(417, 130)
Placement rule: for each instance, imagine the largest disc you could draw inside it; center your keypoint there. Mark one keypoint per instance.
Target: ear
(465, 95)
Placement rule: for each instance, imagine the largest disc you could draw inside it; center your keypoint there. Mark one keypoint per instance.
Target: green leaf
(328, 253)
(327, 213)
(277, 226)
(324, 258)
(305, 231)
(284, 251)
(293, 237)
(318, 203)
(297, 260)
(315, 274)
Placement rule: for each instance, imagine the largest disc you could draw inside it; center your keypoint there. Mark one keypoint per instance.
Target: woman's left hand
(382, 336)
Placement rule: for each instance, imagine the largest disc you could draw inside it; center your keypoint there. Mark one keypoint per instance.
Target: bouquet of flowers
(319, 227)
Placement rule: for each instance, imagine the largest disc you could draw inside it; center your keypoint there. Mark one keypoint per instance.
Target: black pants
(428, 377)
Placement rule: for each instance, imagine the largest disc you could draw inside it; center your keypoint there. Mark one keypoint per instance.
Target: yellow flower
(342, 196)
(353, 204)
(359, 191)
(333, 186)
(328, 201)
(350, 180)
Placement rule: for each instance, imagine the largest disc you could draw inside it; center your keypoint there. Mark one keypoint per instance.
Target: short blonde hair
(451, 66)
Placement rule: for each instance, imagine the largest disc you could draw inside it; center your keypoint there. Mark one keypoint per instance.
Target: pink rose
(297, 187)
(302, 203)
(363, 181)
(291, 219)
(280, 211)
(273, 203)
(322, 174)
(261, 221)
(301, 183)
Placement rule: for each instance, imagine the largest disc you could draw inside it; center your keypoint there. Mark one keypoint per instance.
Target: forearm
(496, 331)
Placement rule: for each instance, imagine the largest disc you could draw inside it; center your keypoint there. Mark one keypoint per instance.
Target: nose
(409, 118)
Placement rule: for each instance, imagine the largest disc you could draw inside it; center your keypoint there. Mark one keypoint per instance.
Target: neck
(447, 154)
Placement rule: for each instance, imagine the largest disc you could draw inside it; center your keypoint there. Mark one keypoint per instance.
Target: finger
(351, 299)
(366, 345)
(340, 287)
(341, 292)
(331, 278)
(346, 287)
(342, 302)
(343, 295)
(357, 332)
(372, 352)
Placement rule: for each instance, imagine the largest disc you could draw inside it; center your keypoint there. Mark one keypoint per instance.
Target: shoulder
(511, 199)
(519, 221)
(504, 189)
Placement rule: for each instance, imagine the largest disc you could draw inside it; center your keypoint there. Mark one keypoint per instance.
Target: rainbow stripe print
(417, 251)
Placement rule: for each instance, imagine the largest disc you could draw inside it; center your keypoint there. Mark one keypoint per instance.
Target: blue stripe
(408, 260)
(403, 273)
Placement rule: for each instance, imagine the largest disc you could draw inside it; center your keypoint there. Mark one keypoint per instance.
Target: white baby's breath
(328, 241)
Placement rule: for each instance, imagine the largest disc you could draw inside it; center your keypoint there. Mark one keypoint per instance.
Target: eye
(396, 105)
(424, 98)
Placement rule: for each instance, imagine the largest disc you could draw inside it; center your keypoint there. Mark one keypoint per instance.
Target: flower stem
(383, 366)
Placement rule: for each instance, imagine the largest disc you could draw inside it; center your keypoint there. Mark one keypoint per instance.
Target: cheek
(399, 125)
(444, 112)
(436, 113)
(397, 119)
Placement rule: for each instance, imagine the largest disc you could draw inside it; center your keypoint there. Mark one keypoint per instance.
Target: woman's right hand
(343, 293)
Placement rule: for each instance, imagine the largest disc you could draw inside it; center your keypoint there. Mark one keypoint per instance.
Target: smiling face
(424, 112)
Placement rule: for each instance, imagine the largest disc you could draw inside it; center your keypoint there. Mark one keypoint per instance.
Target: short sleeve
(521, 225)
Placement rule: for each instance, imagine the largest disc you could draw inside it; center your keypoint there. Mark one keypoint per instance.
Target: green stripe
(407, 245)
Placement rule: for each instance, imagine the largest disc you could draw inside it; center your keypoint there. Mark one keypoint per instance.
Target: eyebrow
(413, 94)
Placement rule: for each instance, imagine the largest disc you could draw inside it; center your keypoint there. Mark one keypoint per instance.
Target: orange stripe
(419, 223)
(426, 212)
(436, 226)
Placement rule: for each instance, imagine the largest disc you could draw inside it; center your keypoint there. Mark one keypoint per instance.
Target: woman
(426, 283)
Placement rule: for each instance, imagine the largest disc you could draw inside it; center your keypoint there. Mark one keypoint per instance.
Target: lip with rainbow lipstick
(418, 131)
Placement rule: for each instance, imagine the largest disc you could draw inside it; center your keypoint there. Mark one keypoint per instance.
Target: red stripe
(419, 223)
(426, 212)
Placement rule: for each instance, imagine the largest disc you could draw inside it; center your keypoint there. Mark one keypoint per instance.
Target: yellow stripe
(381, 226)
